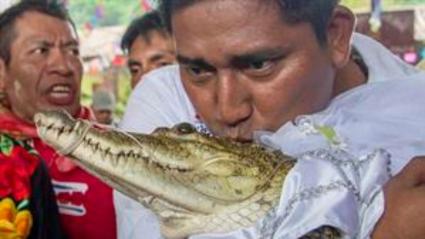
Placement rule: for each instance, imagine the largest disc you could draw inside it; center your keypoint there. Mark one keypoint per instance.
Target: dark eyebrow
(156, 57)
(256, 56)
(44, 43)
(194, 62)
(71, 43)
(51, 44)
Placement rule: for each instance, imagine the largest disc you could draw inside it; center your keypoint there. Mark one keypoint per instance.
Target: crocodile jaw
(123, 160)
(188, 183)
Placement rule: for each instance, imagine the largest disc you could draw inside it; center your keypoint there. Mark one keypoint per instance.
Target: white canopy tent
(100, 46)
(420, 23)
(5, 4)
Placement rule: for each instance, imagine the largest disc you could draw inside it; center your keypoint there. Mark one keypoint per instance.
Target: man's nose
(233, 99)
(148, 67)
(60, 62)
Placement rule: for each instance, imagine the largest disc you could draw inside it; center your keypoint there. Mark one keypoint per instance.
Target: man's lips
(237, 134)
(61, 95)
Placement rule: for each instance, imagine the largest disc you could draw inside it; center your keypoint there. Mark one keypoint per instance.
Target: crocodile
(195, 183)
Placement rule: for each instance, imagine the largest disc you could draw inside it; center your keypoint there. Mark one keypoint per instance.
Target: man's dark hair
(143, 26)
(53, 8)
(315, 12)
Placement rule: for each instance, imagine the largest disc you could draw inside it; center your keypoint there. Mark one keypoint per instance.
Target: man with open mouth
(40, 68)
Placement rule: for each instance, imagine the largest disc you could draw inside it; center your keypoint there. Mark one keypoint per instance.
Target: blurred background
(398, 24)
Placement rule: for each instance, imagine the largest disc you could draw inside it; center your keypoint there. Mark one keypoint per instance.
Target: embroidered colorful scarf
(18, 161)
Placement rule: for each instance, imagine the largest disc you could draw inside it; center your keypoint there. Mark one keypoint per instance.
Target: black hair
(315, 12)
(53, 8)
(143, 26)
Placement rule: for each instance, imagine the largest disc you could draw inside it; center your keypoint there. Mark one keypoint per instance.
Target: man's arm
(404, 215)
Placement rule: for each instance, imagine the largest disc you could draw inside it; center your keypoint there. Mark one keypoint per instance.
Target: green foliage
(123, 11)
(365, 4)
(356, 4)
(124, 91)
(114, 12)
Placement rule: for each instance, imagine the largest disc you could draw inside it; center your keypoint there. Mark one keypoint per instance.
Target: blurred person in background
(40, 69)
(103, 106)
(148, 45)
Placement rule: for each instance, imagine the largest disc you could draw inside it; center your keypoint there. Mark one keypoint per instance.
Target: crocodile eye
(185, 128)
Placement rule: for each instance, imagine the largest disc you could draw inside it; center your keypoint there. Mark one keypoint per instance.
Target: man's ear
(339, 32)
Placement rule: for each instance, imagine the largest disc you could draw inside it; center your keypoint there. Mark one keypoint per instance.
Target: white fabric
(396, 127)
(160, 100)
(382, 64)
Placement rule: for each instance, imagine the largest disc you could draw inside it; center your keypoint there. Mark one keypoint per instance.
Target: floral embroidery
(6, 145)
(328, 132)
(15, 222)
(18, 162)
(306, 125)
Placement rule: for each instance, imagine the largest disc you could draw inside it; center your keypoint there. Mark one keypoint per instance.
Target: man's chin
(70, 109)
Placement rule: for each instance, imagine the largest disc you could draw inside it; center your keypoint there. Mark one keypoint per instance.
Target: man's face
(245, 69)
(145, 56)
(45, 69)
(103, 116)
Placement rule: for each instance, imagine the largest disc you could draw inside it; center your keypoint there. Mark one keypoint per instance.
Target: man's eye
(41, 50)
(198, 75)
(260, 65)
(196, 71)
(134, 71)
(74, 51)
(259, 68)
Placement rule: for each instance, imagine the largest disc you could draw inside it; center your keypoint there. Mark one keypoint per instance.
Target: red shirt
(85, 203)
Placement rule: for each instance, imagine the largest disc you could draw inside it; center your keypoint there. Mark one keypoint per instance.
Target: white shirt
(357, 202)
